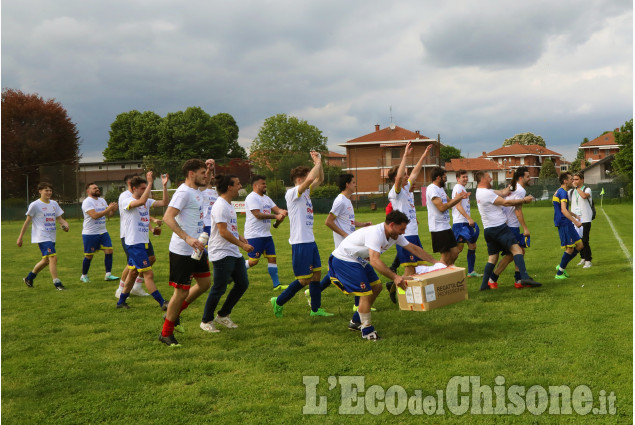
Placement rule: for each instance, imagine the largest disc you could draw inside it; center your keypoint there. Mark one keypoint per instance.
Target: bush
(326, 191)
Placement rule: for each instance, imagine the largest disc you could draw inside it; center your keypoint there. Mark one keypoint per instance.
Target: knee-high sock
(157, 296)
(519, 260)
(273, 272)
(326, 282)
(316, 295)
(566, 258)
(487, 271)
(108, 262)
(288, 293)
(86, 265)
(471, 260)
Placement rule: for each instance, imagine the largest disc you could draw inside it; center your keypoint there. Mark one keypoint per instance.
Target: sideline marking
(619, 240)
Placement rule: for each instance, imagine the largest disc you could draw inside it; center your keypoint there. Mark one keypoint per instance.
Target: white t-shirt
(209, 197)
(457, 217)
(354, 248)
(300, 210)
(510, 212)
(255, 228)
(491, 215)
(344, 214)
(190, 203)
(92, 226)
(122, 213)
(581, 206)
(137, 222)
(218, 247)
(404, 201)
(437, 220)
(43, 218)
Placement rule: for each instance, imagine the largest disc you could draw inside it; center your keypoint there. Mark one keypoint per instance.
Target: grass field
(71, 358)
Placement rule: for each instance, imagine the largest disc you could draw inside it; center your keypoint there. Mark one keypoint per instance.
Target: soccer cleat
(564, 272)
(28, 282)
(529, 283)
(209, 327)
(225, 321)
(123, 305)
(354, 326)
(492, 284)
(164, 307)
(280, 287)
(321, 312)
(474, 274)
(118, 292)
(356, 307)
(518, 284)
(169, 340)
(587, 265)
(60, 287)
(560, 277)
(370, 334)
(111, 277)
(277, 309)
(84, 279)
(307, 294)
(581, 263)
(138, 291)
(392, 291)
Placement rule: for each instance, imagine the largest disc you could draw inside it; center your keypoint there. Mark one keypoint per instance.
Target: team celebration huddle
(206, 248)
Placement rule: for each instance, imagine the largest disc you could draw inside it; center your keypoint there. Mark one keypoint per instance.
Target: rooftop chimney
(484, 153)
(417, 132)
(376, 127)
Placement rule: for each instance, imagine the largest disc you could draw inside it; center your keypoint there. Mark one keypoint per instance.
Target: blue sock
(122, 298)
(157, 296)
(519, 260)
(356, 317)
(356, 301)
(108, 262)
(493, 277)
(566, 258)
(31, 276)
(316, 295)
(487, 272)
(517, 276)
(326, 282)
(86, 265)
(471, 260)
(273, 272)
(288, 293)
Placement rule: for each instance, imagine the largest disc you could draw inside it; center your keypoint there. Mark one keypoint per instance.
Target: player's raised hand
(164, 179)
(149, 177)
(408, 148)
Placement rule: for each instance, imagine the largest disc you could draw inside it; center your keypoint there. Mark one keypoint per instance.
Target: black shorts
(443, 241)
(183, 268)
(499, 239)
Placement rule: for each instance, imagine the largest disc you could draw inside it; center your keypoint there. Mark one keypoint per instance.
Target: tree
(623, 163)
(35, 132)
(228, 126)
(548, 170)
(190, 134)
(525, 139)
(133, 135)
(576, 165)
(282, 136)
(448, 152)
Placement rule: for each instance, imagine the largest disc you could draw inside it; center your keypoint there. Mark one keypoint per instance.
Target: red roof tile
(332, 154)
(603, 140)
(386, 134)
(472, 164)
(517, 149)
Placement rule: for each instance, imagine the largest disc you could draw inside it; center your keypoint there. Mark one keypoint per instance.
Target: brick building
(530, 156)
(472, 165)
(600, 147)
(335, 159)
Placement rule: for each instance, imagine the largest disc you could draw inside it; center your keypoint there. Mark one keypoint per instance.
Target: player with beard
(465, 229)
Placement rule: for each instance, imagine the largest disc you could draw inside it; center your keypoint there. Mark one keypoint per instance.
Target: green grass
(70, 357)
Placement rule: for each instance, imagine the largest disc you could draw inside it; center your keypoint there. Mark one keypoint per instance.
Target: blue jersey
(558, 198)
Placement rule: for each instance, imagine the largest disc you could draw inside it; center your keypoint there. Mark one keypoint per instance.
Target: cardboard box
(434, 289)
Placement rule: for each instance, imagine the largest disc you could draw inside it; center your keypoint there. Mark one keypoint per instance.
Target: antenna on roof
(392, 125)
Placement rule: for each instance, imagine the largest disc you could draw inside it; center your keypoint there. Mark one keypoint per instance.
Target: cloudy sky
(473, 72)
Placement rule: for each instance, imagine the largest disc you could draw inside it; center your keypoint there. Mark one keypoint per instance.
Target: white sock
(122, 283)
(273, 266)
(56, 280)
(84, 275)
(107, 274)
(365, 318)
(246, 264)
(138, 281)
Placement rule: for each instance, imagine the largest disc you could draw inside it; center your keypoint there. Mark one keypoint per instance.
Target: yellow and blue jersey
(558, 198)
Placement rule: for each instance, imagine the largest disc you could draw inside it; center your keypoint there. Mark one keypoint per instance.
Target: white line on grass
(619, 240)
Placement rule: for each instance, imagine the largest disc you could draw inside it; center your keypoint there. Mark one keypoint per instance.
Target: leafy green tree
(576, 165)
(133, 135)
(525, 139)
(449, 152)
(228, 126)
(191, 134)
(548, 170)
(623, 163)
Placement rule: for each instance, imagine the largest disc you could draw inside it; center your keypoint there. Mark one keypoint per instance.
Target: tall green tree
(191, 134)
(228, 126)
(623, 164)
(525, 139)
(548, 170)
(133, 135)
(449, 152)
(576, 165)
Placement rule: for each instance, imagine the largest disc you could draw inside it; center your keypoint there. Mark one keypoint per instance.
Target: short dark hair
(478, 176)
(257, 177)
(224, 181)
(579, 174)
(193, 164)
(393, 173)
(44, 185)
(343, 180)
(563, 176)
(128, 177)
(300, 171)
(520, 172)
(397, 217)
(89, 185)
(137, 181)
(459, 173)
(437, 172)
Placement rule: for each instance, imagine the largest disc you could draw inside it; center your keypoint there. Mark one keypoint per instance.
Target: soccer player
(497, 235)
(42, 215)
(515, 219)
(352, 265)
(209, 197)
(136, 211)
(94, 233)
(260, 211)
(185, 217)
(443, 239)
(465, 229)
(224, 254)
(581, 199)
(305, 257)
(566, 222)
(402, 200)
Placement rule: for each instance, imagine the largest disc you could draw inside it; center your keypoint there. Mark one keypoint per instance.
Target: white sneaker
(587, 265)
(307, 294)
(225, 321)
(209, 327)
(118, 292)
(137, 290)
(581, 263)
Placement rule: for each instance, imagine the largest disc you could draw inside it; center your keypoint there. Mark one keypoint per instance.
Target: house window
(596, 151)
(395, 153)
(100, 167)
(564, 167)
(123, 166)
(138, 165)
(522, 161)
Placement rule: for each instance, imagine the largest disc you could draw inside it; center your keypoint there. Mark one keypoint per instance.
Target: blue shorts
(406, 258)
(519, 236)
(138, 257)
(149, 248)
(499, 239)
(94, 243)
(352, 278)
(305, 259)
(47, 249)
(568, 235)
(464, 233)
(262, 247)
(208, 230)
